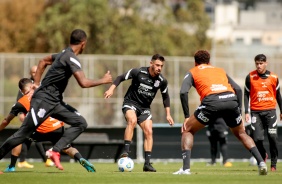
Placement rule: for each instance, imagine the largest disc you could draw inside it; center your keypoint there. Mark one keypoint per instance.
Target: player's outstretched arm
(88, 83)
(118, 80)
(6, 121)
(110, 91)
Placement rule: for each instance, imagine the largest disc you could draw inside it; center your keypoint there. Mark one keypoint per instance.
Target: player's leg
(40, 148)
(223, 148)
(78, 124)
(147, 127)
(42, 152)
(14, 156)
(22, 162)
(131, 119)
(247, 141)
(271, 120)
(54, 137)
(18, 137)
(187, 140)
(72, 117)
(213, 146)
(258, 132)
(74, 153)
(233, 119)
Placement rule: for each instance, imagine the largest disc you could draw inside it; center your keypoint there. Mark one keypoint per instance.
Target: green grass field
(108, 173)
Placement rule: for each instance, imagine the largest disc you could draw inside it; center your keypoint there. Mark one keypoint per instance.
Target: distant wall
(166, 144)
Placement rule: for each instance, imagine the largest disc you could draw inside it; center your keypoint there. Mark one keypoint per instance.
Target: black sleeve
(278, 96)
(17, 108)
(126, 76)
(165, 94)
(185, 87)
(54, 56)
(247, 94)
(237, 90)
(72, 61)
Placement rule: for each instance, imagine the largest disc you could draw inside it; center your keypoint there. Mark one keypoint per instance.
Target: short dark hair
(77, 36)
(23, 82)
(158, 57)
(260, 57)
(202, 57)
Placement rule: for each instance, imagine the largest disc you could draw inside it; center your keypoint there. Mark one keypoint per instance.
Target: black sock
(254, 151)
(77, 156)
(186, 154)
(126, 145)
(147, 157)
(13, 161)
(262, 151)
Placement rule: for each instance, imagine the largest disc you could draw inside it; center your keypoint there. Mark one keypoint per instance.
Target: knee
(132, 122)
(148, 132)
(83, 124)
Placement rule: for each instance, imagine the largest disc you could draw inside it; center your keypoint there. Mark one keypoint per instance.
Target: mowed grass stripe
(108, 173)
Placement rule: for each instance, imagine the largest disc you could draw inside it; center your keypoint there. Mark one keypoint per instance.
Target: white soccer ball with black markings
(125, 164)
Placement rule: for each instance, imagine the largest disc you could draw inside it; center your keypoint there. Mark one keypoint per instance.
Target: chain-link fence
(107, 112)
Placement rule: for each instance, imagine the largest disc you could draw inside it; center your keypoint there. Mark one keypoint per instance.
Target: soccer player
(262, 92)
(22, 148)
(218, 99)
(50, 130)
(47, 100)
(146, 81)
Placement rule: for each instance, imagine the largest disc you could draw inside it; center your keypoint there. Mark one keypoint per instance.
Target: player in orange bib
(262, 92)
(50, 130)
(218, 99)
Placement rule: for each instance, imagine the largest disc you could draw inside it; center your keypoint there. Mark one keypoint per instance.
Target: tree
(113, 27)
(17, 27)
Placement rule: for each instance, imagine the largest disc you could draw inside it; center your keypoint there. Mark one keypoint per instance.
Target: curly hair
(77, 36)
(202, 57)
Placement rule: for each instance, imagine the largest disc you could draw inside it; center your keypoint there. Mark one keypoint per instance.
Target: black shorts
(208, 112)
(141, 113)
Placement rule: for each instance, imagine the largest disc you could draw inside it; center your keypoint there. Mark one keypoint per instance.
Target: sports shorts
(208, 112)
(141, 113)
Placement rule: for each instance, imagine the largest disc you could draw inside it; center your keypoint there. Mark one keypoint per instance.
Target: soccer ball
(253, 161)
(125, 164)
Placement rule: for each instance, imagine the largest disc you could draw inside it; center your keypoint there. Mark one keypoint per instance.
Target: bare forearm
(88, 83)
(43, 63)
(167, 111)
(6, 121)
